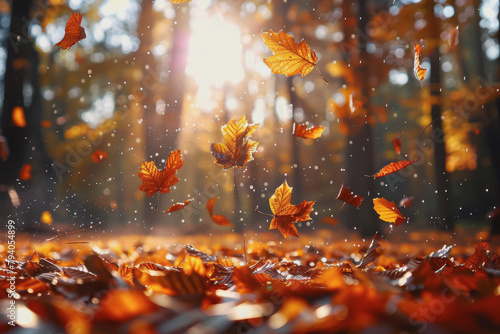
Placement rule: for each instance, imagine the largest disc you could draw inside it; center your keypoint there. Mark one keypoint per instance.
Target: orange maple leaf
(237, 149)
(312, 133)
(392, 168)
(289, 58)
(154, 180)
(388, 211)
(73, 32)
(286, 214)
(218, 219)
(419, 70)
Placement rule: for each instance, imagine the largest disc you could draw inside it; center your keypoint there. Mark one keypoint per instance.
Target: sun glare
(215, 51)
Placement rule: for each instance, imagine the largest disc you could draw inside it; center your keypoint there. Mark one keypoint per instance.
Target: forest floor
(415, 282)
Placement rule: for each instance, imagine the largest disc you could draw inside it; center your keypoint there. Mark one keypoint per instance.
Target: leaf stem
(263, 213)
(234, 181)
(321, 75)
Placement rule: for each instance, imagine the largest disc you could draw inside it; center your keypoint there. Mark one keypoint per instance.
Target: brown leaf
(219, 220)
(388, 211)
(346, 195)
(73, 32)
(330, 220)
(289, 58)
(154, 180)
(286, 214)
(237, 148)
(392, 168)
(4, 148)
(312, 133)
(372, 253)
(179, 206)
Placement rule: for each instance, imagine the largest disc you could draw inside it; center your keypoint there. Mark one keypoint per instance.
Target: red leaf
(392, 168)
(99, 155)
(219, 220)
(25, 172)
(397, 145)
(346, 195)
(179, 206)
(73, 32)
(406, 202)
(4, 148)
(330, 220)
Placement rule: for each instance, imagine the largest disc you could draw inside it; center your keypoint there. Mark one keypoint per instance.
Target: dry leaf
(179, 206)
(397, 145)
(73, 32)
(286, 214)
(406, 202)
(346, 195)
(312, 133)
(392, 168)
(289, 58)
(219, 220)
(388, 211)
(98, 156)
(419, 70)
(154, 180)
(18, 117)
(330, 220)
(25, 172)
(4, 148)
(237, 148)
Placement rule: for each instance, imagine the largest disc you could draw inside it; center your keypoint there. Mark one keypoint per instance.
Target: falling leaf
(18, 117)
(219, 220)
(179, 206)
(419, 70)
(289, 58)
(45, 124)
(4, 148)
(388, 211)
(397, 145)
(237, 148)
(330, 220)
(99, 155)
(392, 168)
(453, 40)
(20, 63)
(73, 32)
(312, 133)
(25, 172)
(406, 202)
(154, 180)
(46, 217)
(346, 195)
(286, 214)
(354, 104)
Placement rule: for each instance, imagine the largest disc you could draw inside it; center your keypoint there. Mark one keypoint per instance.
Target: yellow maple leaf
(289, 58)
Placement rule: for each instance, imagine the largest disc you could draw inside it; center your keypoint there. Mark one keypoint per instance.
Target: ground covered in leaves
(424, 283)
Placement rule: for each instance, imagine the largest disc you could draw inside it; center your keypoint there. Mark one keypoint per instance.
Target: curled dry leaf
(237, 148)
(453, 40)
(392, 168)
(73, 32)
(406, 201)
(219, 220)
(179, 206)
(397, 145)
(419, 70)
(286, 214)
(154, 180)
(312, 133)
(289, 58)
(346, 195)
(98, 156)
(388, 211)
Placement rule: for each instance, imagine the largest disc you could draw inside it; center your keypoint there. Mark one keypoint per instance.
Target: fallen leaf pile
(152, 286)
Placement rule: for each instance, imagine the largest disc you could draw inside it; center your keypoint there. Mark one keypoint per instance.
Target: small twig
(245, 248)
(70, 232)
(263, 213)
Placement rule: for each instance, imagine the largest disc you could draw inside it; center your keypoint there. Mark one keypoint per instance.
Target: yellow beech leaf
(289, 58)
(388, 211)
